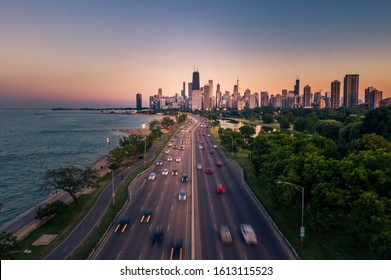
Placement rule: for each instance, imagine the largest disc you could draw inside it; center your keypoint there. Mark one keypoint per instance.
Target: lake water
(33, 141)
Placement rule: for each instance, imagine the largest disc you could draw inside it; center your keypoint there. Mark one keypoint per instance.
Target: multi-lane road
(193, 222)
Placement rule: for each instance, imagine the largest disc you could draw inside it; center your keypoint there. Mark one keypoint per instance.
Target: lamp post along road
(301, 189)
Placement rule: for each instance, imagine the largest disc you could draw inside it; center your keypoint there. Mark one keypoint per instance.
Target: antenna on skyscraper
(194, 67)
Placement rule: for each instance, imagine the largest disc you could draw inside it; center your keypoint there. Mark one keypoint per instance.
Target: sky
(72, 53)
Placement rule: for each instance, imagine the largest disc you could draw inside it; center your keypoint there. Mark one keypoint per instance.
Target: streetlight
(301, 189)
(112, 171)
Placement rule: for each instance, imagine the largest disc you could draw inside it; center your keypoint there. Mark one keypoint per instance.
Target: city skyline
(97, 53)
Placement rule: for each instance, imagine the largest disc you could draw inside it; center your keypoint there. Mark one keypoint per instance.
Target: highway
(203, 208)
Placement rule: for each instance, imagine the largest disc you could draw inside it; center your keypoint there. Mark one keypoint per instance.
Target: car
(215, 146)
(146, 216)
(248, 234)
(174, 172)
(219, 164)
(173, 140)
(199, 166)
(122, 225)
(225, 234)
(201, 142)
(181, 147)
(220, 189)
(208, 135)
(182, 195)
(167, 151)
(208, 170)
(176, 251)
(211, 152)
(170, 144)
(157, 237)
(185, 178)
(199, 147)
(159, 162)
(165, 172)
(175, 147)
(169, 158)
(152, 176)
(178, 159)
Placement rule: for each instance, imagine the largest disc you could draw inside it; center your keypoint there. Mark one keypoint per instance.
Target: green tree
(369, 142)
(268, 118)
(9, 244)
(167, 122)
(378, 121)
(70, 179)
(328, 128)
(54, 208)
(284, 123)
(247, 131)
(349, 133)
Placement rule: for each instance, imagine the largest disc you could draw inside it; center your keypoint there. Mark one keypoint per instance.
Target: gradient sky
(98, 53)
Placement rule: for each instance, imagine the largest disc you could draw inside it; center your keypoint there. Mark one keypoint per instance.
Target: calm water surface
(33, 141)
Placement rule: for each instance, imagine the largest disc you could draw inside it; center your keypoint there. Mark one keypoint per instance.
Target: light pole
(301, 189)
(112, 171)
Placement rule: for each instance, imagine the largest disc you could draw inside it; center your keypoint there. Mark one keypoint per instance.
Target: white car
(199, 147)
(167, 151)
(165, 172)
(248, 234)
(178, 159)
(215, 146)
(169, 158)
(182, 195)
(152, 176)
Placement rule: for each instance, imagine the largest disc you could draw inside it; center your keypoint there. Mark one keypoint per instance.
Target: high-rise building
(297, 88)
(196, 81)
(139, 101)
(206, 97)
(238, 87)
(189, 89)
(196, 101)
(183, 93)
(373, 97)
(160, 93)
(335, 94)
(350, 90)
(264, 99)
(307, 97)
(218, 96)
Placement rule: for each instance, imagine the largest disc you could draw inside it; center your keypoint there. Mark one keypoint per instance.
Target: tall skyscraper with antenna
(196, 80)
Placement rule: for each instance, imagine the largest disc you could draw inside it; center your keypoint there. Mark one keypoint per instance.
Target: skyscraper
(139, 101)
(350, 90)
(307, 97)
(335, 94)
(206, 97)
(196, 81)
(183, 93)
(297, 88)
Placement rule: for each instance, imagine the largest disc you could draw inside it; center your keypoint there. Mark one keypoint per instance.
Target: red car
(208, 170)
(219, 164)
(220, 189)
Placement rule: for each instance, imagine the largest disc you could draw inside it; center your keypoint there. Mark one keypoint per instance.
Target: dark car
(176, 250)
(208, 170)
(211, 152)
(146, 216)
(219, 164)
(185, 178)
(157, 237)
(122, 225)
(174, 172)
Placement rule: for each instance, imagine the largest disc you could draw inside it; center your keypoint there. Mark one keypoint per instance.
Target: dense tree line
(343, 166)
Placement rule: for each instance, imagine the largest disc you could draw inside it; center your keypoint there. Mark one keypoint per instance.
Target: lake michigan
(33, 141)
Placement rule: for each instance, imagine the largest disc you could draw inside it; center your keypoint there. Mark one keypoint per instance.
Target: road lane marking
(131, 227)
(118, 255)
(244, 254)
(221, 256)
(168, 228)
(140, 256)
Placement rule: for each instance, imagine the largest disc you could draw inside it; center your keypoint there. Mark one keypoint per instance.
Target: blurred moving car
(159, 162)
(167, 151)
(176, 250)
(157, 237)
(199, 147)
(152, 176)
(199, 166)
(146, 216)
(182, 195)
(208, 170)
(174, 172)
(225, 234)
(219, 164)
(169, 158)
(220, 189)
(122, 225)
(215, 146)
(165, 172)
(211, 152)
(178, 159)
(185, 178)
(248, 234)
